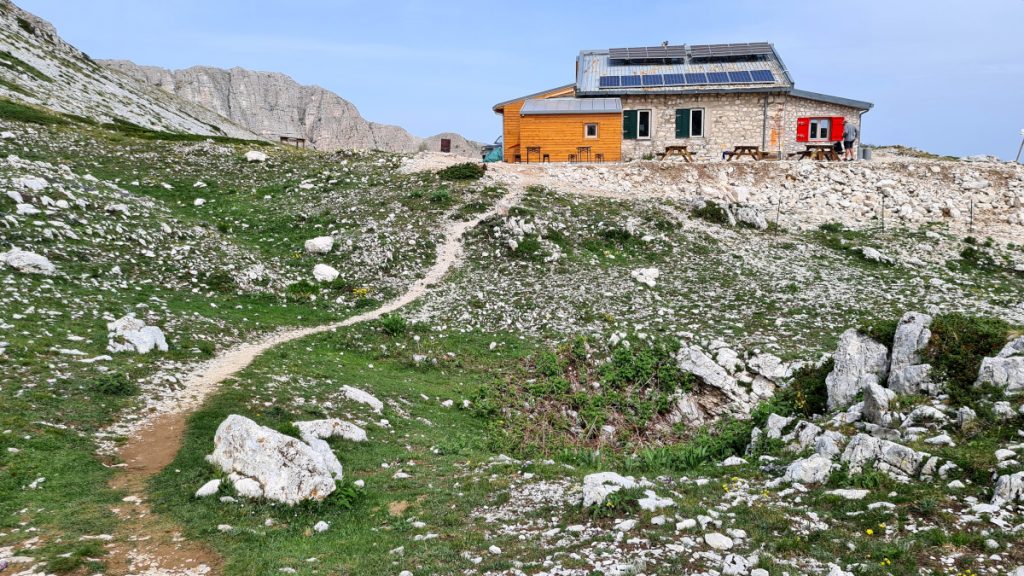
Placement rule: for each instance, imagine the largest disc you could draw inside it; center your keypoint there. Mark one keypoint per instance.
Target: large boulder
(320, 245)
(1006, 372)
(131, 334)
(717, 392)
(28, 262)
(815, 469)
(907, 375)
(1009, 488)
(896, 460)
(859, 361)
(262, 462)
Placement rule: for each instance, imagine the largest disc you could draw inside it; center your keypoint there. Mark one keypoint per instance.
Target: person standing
(850, 135)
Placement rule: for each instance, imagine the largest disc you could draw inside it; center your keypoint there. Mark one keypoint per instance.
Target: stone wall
(767, 120)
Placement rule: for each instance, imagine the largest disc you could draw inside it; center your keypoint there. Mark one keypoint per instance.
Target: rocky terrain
(38, 67)
(273, 105)
(227, 356)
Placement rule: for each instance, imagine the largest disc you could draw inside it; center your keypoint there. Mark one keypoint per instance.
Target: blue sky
(945, 75)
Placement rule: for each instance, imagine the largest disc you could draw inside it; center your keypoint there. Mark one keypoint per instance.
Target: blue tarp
(496, 155)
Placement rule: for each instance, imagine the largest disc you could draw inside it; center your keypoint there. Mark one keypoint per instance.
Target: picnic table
(683, 151)
(740, 151)
(820, 152)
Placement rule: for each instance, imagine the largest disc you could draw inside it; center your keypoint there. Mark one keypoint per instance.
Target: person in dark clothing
(850, 135)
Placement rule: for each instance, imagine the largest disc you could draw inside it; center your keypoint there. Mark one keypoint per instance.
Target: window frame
(586, 131)
(815, 123)
(650, 124)
(703, 125)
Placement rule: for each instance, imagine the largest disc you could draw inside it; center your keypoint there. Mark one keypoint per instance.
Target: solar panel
(730, 50)
(648, 53)
(693, 78)
(762, 76)
(610, 82)
(654, 80)
(675, 79)
(740, 77)
(629, 81)
(718, 78)
(618, 54)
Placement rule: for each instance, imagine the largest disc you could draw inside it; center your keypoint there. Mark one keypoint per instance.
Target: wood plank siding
(511, 119)
(560, 134)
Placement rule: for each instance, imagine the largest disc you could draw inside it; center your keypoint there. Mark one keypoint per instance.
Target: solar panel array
(687, 79)
(649, 53)
(730, 50)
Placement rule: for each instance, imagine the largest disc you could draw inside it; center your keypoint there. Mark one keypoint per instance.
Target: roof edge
(817, 96)
(501, 105)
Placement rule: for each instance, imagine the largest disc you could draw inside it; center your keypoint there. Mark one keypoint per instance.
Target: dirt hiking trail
(150, 545)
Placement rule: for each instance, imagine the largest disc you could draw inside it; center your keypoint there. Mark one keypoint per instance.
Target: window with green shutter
(629, 122)
(683, 123)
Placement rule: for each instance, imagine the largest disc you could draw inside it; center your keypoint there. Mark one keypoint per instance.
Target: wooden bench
(820, 152)
(682, 151)
(741, 151)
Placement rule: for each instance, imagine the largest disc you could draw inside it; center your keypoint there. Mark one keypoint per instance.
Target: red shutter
(837, 128)
(803, 130)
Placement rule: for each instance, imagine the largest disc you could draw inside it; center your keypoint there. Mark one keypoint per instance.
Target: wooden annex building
(630, 103)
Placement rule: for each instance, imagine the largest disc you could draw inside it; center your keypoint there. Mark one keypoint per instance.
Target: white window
(821, 129)
(696, 123)
(590, 131)
(643, 124)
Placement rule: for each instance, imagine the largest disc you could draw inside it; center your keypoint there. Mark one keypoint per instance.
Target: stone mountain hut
(630, 103)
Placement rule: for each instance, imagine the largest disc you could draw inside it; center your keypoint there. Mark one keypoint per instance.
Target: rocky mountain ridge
(38, 67)
(272, 105)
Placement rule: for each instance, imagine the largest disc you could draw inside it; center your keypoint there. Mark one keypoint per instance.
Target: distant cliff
(273, 105)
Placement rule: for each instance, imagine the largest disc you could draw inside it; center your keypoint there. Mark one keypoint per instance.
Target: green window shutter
(682, 123)
(629, 122)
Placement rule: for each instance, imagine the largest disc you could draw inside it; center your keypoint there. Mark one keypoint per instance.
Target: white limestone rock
(718, 541)
(129, 334)
(735, 565)
(1009, 488)
(362, 397)
(719, 395)
(597, 487)
(907, 375)
(286, 469)
(876, 404)
(646, 276)
(849, 493)
(255, 156)
(815, 469)
(320, 245)
(28, 262)
(1005, 372)
(208, 489)
(859, 361)
(325, 273)
(332, 428)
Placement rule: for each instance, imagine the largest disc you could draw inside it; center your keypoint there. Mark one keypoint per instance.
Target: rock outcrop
(859, 361)
(262, 462)
(907, 374)
(272, 105)
(28, 262)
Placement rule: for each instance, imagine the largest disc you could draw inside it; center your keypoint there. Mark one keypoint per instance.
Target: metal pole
(883, 211)
(972, 215)
(1021, 149)
(778, 210)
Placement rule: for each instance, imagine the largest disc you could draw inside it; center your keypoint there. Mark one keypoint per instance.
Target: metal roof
(858, 104)
(593, 64)
(501, 105)
(572, 106)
